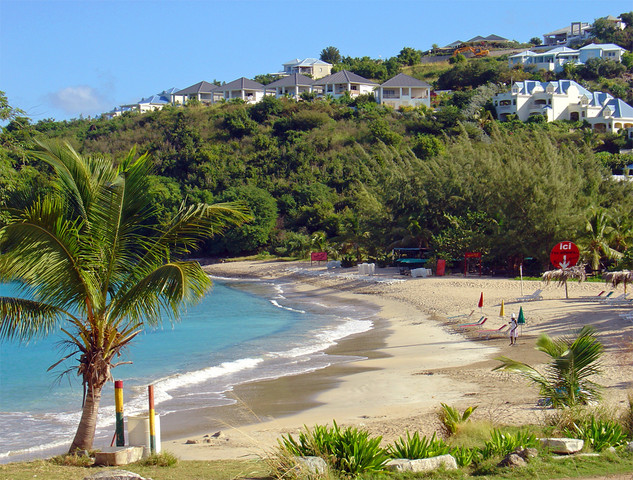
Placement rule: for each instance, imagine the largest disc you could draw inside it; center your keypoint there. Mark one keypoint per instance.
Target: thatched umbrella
(563, 274)
(616, 278)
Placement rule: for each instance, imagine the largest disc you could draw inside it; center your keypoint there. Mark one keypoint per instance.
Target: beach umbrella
(502, 312)
(563, 274)
(616, 278)
(481, 301)
(521, 319)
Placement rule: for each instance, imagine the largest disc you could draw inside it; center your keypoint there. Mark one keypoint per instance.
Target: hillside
(354, 177)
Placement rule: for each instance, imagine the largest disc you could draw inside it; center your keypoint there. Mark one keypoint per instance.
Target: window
(514, 101)
(503, 103)
(405, 91)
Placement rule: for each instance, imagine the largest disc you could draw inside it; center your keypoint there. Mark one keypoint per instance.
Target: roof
(619, 109)
(344, 76)
(200, 87)
(154, 100)
(527, 87)
(403, 80)
(602, 46)
(241, 83)
(455, 44)
(291, 81)
(305, 62)
(560, 50)
(525, 53)
(489, 38)
(567, 30)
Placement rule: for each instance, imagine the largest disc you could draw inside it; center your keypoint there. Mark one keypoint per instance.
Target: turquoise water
(240, 332)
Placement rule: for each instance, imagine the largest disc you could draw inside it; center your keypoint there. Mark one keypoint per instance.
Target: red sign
(472, 255)
(318, 257)
(564, 255)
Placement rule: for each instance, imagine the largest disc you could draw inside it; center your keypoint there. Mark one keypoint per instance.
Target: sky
(64, 59)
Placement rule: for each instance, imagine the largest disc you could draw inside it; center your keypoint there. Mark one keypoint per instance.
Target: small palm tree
(91, 261)
(565, 381)
(596, 238)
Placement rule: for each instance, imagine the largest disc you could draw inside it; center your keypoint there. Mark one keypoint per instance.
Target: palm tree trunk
(86, 430)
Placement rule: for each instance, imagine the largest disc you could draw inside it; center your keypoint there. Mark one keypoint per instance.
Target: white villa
(248, 90)
(308, 66)
(344, 81)
(577, 31)
(404, 90)
(149, 104)
(564, 100)
(607, 51)
(293, 85)
(201, 91)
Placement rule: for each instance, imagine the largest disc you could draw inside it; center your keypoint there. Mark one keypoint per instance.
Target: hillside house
(203, 91)
(563, 100)
(551, 60)
(577, 31)
(308, 66)
(404, 90)
(149, 104)
(293, 85)
(243, 88)
(344, 81)
(606, 51)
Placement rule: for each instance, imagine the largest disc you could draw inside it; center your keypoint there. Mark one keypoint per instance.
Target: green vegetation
(452, 419)
(565, 382)
(94, 262)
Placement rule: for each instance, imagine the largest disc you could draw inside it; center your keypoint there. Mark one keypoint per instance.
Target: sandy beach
(415, 358)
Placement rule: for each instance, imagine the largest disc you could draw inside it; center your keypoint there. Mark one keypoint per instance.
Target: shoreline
(386, 384)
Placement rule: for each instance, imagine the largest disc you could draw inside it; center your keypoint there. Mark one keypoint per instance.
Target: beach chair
(478, 324)
(607, 296)
(471, 324)
(492, 331)
(617, 300)
(463, 315)
(529, 298)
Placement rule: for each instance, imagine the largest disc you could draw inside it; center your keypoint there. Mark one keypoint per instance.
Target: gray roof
(242, 83)
(200, 87)
(403, 80)
(305, 62)
(527, 87)
(583, 26)
(602, 46)
(343, 76)
(291, 81)
(496, 38)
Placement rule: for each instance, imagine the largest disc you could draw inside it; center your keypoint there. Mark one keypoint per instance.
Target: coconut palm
(565, 381)
(596, 238)
(91, 263)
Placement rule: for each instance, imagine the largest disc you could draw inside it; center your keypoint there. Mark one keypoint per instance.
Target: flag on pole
(481, 300)
(502, 312)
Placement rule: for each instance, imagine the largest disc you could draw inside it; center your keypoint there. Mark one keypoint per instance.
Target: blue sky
(63, 58)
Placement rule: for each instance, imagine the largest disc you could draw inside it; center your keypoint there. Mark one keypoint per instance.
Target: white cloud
(75, 100)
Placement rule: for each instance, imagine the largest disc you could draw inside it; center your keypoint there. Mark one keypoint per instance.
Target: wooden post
(118, 402)
(152, 420)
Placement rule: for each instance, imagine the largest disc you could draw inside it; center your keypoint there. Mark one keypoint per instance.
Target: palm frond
(22, 319)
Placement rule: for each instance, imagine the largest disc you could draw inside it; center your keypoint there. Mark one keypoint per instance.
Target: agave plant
(565, 381)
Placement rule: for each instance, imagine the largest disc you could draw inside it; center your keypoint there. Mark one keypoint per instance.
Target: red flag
(481, 300)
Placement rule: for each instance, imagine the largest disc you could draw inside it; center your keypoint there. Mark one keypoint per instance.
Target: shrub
(502, 443)
(465, 456)
(162, 459)
(598, 433)
(72, 460)
(414, 447)
(451, 418)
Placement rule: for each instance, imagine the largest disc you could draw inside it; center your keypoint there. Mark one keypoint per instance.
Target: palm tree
(91, 262)
(565, 381)
(597, 236)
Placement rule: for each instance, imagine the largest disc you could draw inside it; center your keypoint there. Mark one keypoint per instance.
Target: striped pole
(152, 420)
(118, 402)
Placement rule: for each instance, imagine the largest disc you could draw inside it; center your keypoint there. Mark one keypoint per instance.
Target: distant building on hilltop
(564, 100)
(149, 104)
(577, 31)
(404, 90)
(204, 92)
(312, 67)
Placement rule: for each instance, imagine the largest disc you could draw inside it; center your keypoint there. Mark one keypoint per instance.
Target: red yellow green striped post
(118, 403)
(152, 420)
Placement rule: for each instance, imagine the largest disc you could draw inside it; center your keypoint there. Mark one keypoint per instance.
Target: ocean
(243, 331)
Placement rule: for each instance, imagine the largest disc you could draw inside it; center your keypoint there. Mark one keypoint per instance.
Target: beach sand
(415, 358)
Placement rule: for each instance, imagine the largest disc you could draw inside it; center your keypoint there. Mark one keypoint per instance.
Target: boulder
(113, 456)
(313, 465)
(629, 447)
(115, 475)
(512, 460)
(562, 445)
(422, 464)
(192, 442)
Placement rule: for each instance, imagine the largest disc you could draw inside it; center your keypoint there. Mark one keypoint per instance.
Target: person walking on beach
(514, 330)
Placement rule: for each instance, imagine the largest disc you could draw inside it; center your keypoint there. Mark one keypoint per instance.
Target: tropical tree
(91, 263)
(330, 55)
(565, 381)
(596, 237)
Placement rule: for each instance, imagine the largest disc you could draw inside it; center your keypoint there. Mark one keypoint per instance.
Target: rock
(207, 440)
(113, 456)
(218, 434)
(629, 447)
(422, 464)
(611, 449)
(562, 445)
(314, 465)
(512, 460)
(115, 475)
(191, 442)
